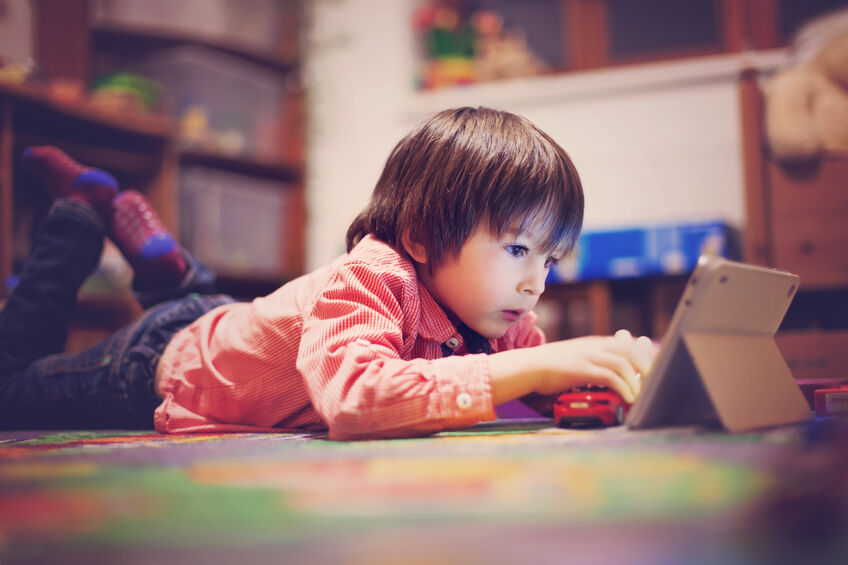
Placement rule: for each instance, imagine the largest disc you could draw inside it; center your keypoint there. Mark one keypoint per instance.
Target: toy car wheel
(619, 414)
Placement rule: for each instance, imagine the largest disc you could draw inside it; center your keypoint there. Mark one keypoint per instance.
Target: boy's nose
(533, 284)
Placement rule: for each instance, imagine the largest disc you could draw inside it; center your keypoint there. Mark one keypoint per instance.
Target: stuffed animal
(502, 53)
(806, 110)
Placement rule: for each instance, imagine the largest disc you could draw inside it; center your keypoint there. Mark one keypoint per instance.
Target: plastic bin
(238, 97)
(235, 223)
(250, 22)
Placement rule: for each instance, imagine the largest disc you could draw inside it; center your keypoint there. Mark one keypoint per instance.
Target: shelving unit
(116, 43)
(796, 222)
(644, 306)
(143, 151)
(139, 152)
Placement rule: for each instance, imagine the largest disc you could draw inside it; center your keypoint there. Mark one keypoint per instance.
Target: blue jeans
(109, 385)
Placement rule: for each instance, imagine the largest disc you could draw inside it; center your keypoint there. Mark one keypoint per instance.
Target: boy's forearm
(513, 374)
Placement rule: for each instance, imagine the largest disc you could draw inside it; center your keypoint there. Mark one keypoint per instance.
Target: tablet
(718, 363)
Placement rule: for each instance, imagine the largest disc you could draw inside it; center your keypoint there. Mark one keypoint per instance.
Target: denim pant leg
(107, 386)
(198, 279)
(34, 320)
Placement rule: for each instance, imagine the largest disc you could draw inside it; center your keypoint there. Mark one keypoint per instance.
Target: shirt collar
(435, 324)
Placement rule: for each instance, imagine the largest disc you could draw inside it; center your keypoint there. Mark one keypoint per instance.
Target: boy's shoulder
(375, 262)
(380, 256)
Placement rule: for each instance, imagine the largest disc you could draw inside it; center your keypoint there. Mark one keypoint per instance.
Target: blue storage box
(639, 252)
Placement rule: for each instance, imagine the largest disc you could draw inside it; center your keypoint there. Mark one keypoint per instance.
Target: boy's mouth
(512, 315)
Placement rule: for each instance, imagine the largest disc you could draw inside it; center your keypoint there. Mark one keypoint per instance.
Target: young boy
(425, 324)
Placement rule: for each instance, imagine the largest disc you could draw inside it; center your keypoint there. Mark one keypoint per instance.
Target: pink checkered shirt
(355, 346)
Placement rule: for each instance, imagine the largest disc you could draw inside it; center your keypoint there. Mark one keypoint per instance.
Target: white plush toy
(806, 112)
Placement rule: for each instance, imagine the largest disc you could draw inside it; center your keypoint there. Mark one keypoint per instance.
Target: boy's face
(493, 282)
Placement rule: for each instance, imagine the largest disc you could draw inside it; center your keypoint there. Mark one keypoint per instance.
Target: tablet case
(726, 368)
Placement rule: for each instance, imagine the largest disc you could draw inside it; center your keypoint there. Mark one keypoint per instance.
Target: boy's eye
(516, 250)
(550, 262)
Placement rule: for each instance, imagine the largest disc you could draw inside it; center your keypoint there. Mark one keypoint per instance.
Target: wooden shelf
(643, 305)
(126, 39)
(38, 99)
(142, 151)
(264, 169)
(135, 148)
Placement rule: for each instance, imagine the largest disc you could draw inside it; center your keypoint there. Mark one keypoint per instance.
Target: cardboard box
(815, 354)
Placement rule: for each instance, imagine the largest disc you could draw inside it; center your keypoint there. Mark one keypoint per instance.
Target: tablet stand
(747, 380)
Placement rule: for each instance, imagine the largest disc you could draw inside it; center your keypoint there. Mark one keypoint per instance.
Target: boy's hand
(616, 362)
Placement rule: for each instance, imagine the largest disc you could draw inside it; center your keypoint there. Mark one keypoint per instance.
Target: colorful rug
(509, 492)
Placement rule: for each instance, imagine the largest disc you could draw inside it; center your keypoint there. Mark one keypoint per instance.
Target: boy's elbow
(352, 426)
(349, 423)
(340, 434)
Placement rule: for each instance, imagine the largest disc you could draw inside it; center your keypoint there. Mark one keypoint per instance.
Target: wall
(15, 29)
(653, 143)
(359, 81)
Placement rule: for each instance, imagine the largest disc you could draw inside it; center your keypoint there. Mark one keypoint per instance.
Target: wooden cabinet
(144, 151)
(138, 151)
(795, 212)
(808, 228)
(796, 222)
(644, 306)
(260, 91)
(75, 46)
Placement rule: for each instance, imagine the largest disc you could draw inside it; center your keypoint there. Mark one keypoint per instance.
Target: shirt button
(452, 342)
(464, 400)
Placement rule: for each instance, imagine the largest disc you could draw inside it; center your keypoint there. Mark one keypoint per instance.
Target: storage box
(235, 223)
(249, 22)
(638, 252)
(240, 102)
(815, 354)
(832, 402)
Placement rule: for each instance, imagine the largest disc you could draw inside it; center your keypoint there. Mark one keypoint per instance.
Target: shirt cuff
(465, 389)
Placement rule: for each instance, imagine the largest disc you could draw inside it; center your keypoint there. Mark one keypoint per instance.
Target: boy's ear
(414, 249)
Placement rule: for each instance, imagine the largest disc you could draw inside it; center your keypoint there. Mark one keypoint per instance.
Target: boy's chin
(490, 332)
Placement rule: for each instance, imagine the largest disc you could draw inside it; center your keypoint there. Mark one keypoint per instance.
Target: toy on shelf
(197, 132)
(15, 71)
(460, 49)
(125, 92)
(806, 111)
(448, 44)
(590, 406)
(501, 53)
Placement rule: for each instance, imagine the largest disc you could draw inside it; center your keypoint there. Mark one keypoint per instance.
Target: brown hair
(468, 165)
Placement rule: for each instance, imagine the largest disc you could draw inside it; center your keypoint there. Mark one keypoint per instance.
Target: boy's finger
(623, 368)
(645, 342)
(637, 358)
(617, 383)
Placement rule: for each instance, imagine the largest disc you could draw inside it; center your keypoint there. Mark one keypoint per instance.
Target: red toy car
(590, 406)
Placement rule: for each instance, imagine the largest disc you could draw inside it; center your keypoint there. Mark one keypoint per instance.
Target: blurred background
(259, 127)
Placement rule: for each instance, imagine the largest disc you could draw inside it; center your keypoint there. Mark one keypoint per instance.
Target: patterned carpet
(508, 492)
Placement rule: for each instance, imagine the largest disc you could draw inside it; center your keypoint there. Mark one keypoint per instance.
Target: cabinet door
(809, 209)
